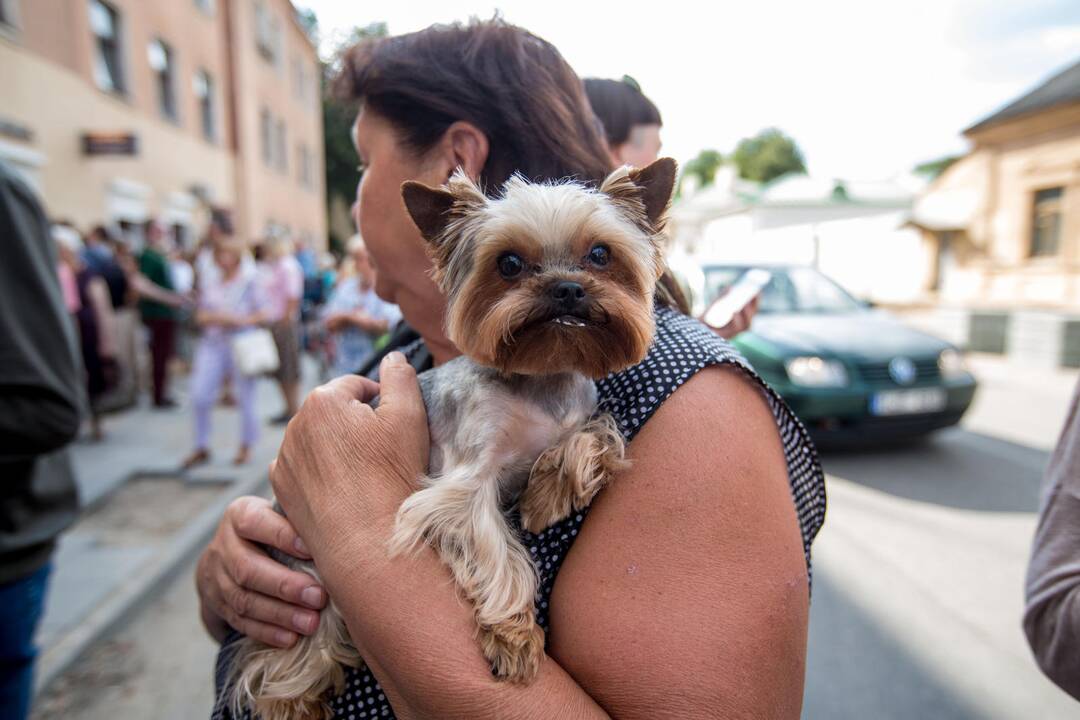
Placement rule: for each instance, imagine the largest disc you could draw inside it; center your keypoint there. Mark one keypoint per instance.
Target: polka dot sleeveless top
(681, 348)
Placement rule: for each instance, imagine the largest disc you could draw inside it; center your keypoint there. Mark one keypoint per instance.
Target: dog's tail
(280, 684)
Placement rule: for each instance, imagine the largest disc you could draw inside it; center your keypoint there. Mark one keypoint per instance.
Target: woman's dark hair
(620, 105)
(515, 87)
(512, 85)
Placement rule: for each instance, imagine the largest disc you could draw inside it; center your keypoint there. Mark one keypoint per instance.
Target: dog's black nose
(568, 295)
(567, 291)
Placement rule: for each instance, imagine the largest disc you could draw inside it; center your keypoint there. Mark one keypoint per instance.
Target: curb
(142, 588)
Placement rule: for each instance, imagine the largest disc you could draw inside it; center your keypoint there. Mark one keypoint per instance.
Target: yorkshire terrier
(549, 287)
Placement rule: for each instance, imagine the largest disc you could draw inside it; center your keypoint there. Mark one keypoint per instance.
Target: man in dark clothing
(41, 404)
(159, 318)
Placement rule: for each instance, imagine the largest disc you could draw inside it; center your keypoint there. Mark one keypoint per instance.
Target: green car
(854, 375)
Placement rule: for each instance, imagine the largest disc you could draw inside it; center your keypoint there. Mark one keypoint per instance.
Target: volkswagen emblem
(902, 371)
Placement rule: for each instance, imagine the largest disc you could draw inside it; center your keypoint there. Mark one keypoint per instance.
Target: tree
(703, 167)
(338, 116)
(932, 168)
(309, 22)
(767, 156)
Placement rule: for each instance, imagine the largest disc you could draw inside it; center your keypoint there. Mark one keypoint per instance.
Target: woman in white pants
(228, 304)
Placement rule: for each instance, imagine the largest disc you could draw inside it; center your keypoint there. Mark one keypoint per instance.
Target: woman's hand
(333, 322)
(240, 586)
(344, 468)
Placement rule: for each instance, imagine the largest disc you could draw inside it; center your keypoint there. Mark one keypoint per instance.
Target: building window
(106, 25)
(304, 161)
(267, 32)
(163, 65)
(280, 147)
(8, 13)
(1046, 222)
(266, 135)
(203, 85)
(298, 78)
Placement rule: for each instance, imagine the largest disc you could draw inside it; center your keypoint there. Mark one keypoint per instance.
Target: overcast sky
(868, 88)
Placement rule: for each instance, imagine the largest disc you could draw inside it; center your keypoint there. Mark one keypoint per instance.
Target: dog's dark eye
(510, 265)
(599, 255)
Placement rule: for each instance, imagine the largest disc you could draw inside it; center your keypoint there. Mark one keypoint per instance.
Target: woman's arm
(685, 594)
(716, 580)
(365, 322)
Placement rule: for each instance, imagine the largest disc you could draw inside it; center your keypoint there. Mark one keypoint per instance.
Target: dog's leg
(459, 515)
(292, 684)
(567, 476)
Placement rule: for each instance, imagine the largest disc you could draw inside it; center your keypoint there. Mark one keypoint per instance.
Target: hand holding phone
(739, 295)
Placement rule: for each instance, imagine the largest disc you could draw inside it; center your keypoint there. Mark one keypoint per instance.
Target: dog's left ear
(643, 191)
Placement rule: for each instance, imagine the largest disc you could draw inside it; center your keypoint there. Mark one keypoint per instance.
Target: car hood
(862, 336)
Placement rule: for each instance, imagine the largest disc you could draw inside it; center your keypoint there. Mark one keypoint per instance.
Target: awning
(951, 209)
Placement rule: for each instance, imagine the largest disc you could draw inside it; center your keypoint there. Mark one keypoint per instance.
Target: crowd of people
(192, 304)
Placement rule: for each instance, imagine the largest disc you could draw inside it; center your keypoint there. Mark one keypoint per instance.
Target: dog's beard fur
(510, 324)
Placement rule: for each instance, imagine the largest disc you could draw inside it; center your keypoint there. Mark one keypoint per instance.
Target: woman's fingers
(354, 386)
(248, 625)
(399, 391)
(256, 520)
(253, 570)
(246, 604)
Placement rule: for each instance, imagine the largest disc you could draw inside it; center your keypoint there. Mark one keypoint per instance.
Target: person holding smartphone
(631, 124)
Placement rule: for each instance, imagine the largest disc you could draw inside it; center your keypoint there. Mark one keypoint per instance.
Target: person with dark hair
(632, 129)
(631, 121)
(99, 256)
(40, 412)
(682, 590)
(159, 317)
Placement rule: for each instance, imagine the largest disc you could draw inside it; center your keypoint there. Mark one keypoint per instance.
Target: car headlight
(951, 364)
(816, 372)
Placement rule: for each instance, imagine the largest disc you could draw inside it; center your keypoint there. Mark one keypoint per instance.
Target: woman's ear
(466, 146)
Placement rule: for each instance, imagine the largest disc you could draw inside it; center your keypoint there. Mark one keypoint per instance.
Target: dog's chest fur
(477, 416)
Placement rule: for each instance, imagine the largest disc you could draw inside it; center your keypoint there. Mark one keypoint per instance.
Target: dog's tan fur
(521, 423)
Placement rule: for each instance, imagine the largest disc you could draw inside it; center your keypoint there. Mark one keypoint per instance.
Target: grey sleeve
(41, 378)
(1052, 612)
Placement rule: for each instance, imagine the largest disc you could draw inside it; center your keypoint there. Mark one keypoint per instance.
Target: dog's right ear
(432, 209)
(429, 207)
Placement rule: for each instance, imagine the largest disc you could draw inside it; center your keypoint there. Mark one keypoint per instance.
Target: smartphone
(739, 295)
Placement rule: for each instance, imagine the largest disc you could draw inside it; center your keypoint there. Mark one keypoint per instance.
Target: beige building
(122, 110)
(1003, 222)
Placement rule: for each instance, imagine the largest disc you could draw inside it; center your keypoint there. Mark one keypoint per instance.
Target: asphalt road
(918, 584)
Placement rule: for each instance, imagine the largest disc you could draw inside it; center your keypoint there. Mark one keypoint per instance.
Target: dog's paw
(543, 505)
(514, 648)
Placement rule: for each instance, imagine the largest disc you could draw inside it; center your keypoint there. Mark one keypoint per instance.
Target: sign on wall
(110, 143)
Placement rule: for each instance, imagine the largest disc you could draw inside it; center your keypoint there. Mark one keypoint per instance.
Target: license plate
(908, 402)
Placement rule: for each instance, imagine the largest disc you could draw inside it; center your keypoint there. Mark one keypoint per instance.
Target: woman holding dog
(683, 591)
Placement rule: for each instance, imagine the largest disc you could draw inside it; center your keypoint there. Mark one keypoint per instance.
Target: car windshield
(791, 290)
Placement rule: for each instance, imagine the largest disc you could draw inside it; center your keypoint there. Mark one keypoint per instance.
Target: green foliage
(933, 168)
(767, 156)
(703, 167)
(309, 22)
(338, 116)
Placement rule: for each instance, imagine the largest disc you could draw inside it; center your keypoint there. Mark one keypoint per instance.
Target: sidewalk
(143, 519)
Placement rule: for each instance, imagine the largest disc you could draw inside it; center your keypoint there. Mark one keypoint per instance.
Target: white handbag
(254, 352)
